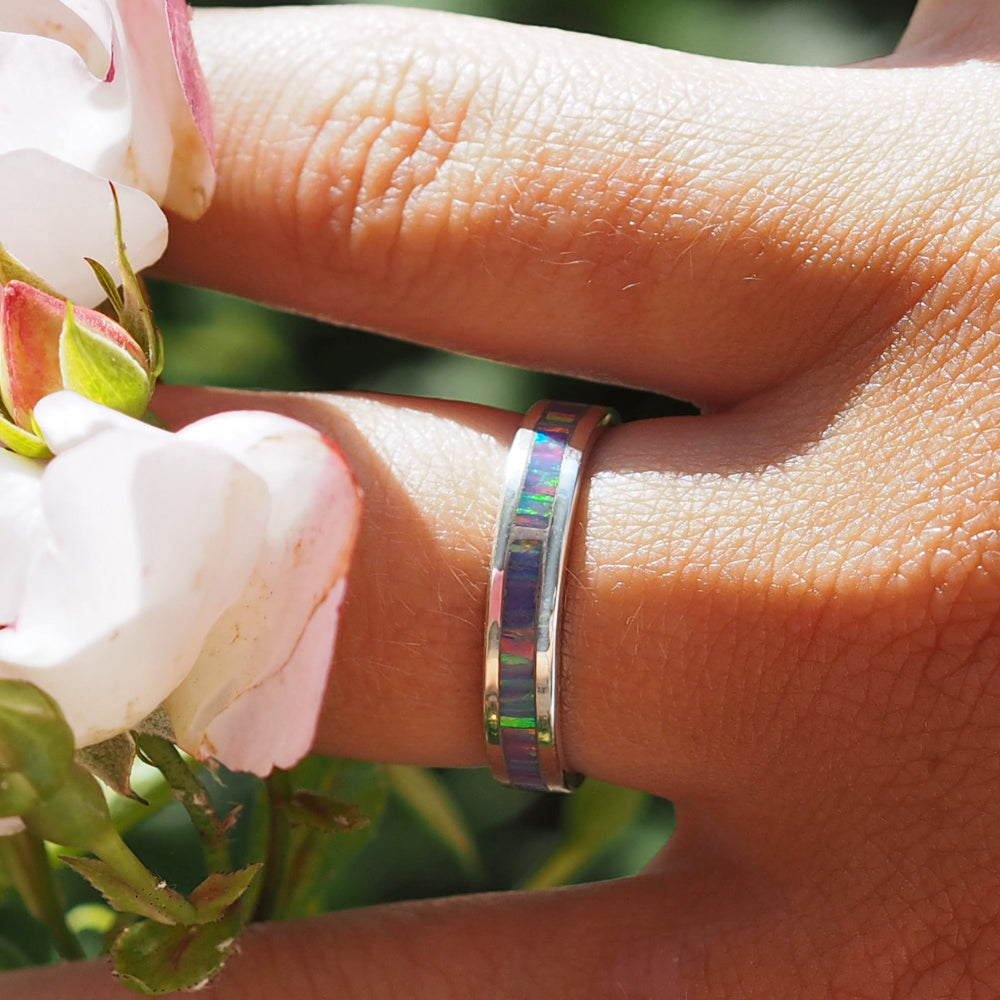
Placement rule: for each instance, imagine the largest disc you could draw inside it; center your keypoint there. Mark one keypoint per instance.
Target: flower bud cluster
(47, 344)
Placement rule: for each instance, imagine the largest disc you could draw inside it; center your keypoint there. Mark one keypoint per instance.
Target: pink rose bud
(47, 345)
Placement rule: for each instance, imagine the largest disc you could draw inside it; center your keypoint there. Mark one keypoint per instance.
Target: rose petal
(274, 724)
(85, 26)
(70, 420)
(192, 180)
(148, 538)
(113, 89)
(160, 52)
(51, 101)
(52, 234)
(20, 527)
(253, 699)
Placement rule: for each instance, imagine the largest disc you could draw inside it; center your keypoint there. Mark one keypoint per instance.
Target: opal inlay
(519, 735)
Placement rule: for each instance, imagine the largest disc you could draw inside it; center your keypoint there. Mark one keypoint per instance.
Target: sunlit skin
(783, 615)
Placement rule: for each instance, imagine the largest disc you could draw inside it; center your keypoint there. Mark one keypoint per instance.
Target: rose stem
(279, 795)
(192, 794)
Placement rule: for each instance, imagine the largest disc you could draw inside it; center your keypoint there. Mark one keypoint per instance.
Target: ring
(522, 625)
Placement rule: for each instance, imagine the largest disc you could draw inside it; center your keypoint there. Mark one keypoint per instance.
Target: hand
(783, 615)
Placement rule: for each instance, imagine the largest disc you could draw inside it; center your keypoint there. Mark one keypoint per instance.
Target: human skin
(783, 615)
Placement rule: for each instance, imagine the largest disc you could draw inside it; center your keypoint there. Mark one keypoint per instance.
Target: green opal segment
(510, 722)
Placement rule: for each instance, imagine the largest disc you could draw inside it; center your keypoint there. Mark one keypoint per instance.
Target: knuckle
(378, 170)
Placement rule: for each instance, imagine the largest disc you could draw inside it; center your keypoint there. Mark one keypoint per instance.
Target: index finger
(539, 197)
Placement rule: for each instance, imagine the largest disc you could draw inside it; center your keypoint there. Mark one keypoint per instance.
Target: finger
(783, 618)
(949, 30)
(544, 198)
(731, 584)
(407, 684)
(697, 933)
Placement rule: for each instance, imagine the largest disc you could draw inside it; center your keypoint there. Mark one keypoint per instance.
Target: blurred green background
(457, 831)
(219, 340)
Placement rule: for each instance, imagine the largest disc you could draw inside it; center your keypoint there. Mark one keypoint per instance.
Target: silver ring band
(522, 625)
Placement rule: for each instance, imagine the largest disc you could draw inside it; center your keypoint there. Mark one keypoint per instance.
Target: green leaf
(76, 815)
(6, 880)
(135, 313)
(112, 761)
(36, 747)
(594, 817)
(107, 283)
(429, 798)
(121, 894)
(153, 959)
(101, 370)
(219, 891)
(303, 860)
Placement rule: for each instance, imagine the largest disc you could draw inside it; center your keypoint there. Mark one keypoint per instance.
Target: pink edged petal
(274, 724)
(168, 87)
(148, 538)
(112, 88)
(21, 526)
(253, 699)
(75, 219)
(189, 73)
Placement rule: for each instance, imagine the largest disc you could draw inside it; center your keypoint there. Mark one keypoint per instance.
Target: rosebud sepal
(22, 442)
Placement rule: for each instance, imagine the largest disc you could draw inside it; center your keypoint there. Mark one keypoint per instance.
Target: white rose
(96, 91)
(202, 569)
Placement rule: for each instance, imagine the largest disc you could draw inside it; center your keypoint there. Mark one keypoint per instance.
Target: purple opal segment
(519, 744)
(520, 587)
(516, 709)
(547, 453)
(520, 752)
(517, 693)
(534, 510)
(526, 774)
(516, 690)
